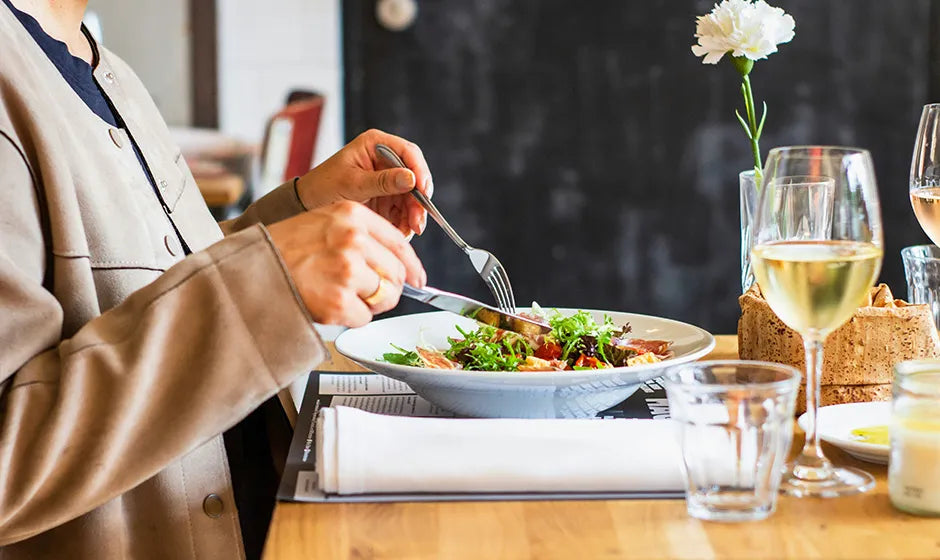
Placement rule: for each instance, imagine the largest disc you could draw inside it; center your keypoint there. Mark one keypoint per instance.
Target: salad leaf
(403, 357)
(580, 334)
(488, 349)
(619, 355)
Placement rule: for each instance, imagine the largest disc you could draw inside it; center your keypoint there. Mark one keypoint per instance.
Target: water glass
(803, 203)
(736, 426)
(922, 270)
(803, 206)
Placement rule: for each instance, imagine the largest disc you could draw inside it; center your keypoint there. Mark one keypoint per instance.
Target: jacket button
(116, 137)
(213, 506)
(109, 77)
(169, 245)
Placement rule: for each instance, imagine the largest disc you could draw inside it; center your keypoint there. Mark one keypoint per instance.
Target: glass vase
(749, 199)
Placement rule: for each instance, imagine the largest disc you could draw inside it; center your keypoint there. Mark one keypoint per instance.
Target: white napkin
(359, 452)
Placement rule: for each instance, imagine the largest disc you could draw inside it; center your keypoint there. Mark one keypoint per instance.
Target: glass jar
(914, 468)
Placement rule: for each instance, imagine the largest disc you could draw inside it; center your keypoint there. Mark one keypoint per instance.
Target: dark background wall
(587, 147)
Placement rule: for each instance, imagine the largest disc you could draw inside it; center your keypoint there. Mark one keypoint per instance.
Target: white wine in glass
(926, 203)
(925, 172)
(814, 278)
(815, 286)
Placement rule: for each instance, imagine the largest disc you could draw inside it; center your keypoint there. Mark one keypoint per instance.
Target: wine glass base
(844, 481)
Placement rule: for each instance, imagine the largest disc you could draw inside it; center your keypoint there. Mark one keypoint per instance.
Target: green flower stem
(754, 130)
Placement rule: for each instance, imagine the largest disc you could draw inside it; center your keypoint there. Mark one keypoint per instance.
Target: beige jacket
(121, 362)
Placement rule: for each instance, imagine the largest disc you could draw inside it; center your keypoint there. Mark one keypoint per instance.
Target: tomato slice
(548, 351)
(590, 362)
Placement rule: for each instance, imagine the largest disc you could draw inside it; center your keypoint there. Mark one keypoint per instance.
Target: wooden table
(219, 186)
(221, 164)
(864, 526)
(220, 190)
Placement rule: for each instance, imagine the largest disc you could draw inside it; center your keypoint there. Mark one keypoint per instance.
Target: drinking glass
(922, 272)
(735, 421)
(803, 206)
(925, 172)
(815, 279)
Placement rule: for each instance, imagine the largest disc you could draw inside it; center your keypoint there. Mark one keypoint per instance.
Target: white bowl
(837, 421)
(543, 394)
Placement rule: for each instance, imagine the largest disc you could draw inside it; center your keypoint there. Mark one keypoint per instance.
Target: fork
(485, 263)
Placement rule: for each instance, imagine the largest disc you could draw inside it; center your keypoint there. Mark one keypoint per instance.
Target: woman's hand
(341, 256)
(356, 173)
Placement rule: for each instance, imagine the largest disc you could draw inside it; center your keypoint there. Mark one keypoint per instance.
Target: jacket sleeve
(279, 204)
(84, 419)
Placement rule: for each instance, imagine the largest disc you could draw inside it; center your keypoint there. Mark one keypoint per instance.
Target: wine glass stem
(811, 464)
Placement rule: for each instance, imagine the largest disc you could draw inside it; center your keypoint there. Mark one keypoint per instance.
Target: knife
(473, 309)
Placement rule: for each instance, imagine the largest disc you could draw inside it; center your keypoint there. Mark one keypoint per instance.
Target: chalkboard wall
(585, 145)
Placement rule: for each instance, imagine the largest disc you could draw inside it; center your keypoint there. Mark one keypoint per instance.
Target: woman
(133, 334)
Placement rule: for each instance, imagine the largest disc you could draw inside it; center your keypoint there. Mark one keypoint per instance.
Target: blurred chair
(290, 139)
(302, 95)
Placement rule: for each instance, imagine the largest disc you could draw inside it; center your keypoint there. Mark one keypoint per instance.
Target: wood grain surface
(860, 527)
(221, 189)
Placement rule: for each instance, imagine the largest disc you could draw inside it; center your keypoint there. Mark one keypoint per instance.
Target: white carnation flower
(752, 30)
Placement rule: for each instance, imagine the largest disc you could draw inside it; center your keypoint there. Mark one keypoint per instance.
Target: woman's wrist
(300, 199)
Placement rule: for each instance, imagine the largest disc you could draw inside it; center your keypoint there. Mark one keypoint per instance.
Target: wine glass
(925, 172)
(815, 264)
(922, 262)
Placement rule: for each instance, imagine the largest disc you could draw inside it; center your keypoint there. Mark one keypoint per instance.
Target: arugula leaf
(488, 349)
(579, 333)
(403, 357)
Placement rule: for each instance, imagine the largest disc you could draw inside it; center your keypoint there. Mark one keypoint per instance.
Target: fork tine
(504, 298)
(493, 270)
(500, 290)
(511, 299)
(494, 289)
(502, 279)
(490, 282)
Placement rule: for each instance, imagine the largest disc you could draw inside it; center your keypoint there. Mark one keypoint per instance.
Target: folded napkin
(359, 452)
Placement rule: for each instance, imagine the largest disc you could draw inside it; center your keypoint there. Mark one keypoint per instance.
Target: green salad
(576, 342)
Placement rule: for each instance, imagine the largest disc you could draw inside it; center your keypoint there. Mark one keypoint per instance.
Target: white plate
(837, 421)
(544, 394)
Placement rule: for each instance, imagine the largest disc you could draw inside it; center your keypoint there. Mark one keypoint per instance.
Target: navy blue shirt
(76, 71)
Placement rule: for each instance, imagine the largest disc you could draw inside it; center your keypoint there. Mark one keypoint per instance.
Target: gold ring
(379, 293)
